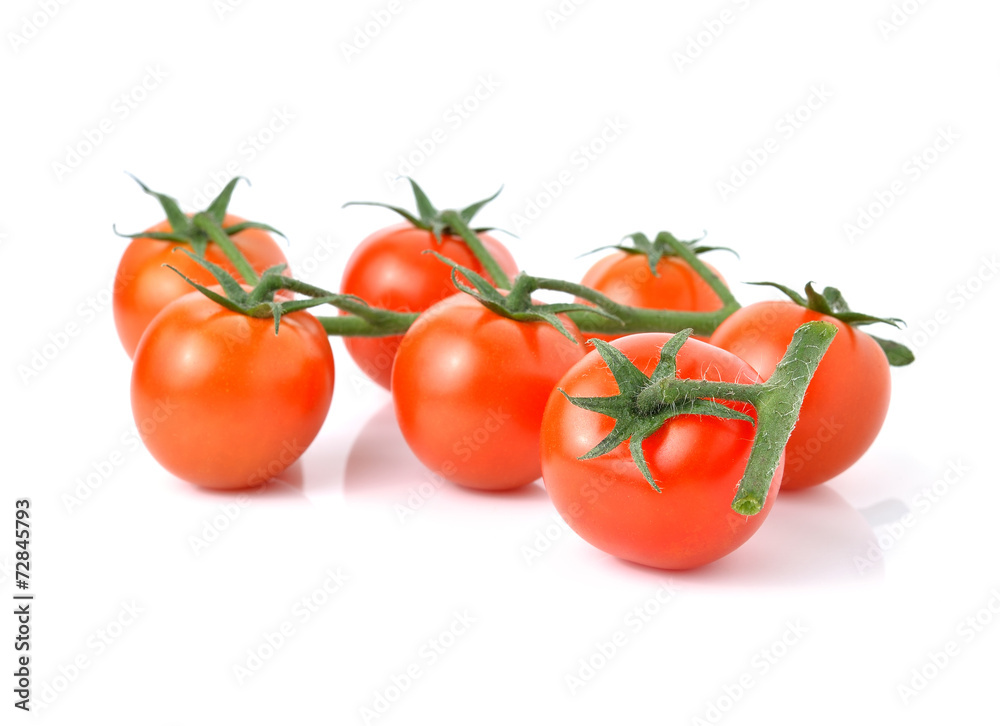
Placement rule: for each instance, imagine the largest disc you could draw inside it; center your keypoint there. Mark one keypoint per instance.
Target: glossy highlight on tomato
(469, 387)
(223, 402)
(144, 286)
(697, 461)
(390, 270)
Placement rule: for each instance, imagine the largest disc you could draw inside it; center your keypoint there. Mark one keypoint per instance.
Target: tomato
(469, 387)
(625, 277)
(223, 402)
(847, 399)
(389, 270)
(143, 286)
(697, 461)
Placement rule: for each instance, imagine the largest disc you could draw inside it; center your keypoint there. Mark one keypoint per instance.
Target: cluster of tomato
(485, 399)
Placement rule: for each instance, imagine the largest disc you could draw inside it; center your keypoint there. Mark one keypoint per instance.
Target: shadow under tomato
(288, 484)
(380, 466)
(810, 536)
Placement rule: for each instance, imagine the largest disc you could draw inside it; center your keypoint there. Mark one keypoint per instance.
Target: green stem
(209, 226)
(778, 401)
(637, 320)
(347, 303)
(520, 293)
(669, 390)
(364, 320)
(457, 225)
(352, 325)
(718, 286)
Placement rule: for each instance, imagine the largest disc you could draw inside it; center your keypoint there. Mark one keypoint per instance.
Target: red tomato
(223, 402)
(697, 461)
(846, 402)
(469, 387)
(626, 278)
(143, 286)
(389, 270)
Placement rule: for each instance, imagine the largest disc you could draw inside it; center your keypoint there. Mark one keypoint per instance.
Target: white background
(870, 597)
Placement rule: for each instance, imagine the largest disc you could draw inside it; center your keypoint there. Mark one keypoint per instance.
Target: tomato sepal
(663, 245)
(517, 304)
(189, 230)
(638, 415)
(831, 302)
(260, 301)
(455, 222)
(644, 404)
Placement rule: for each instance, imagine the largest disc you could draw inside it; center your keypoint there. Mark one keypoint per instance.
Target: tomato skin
(846, 402)
(697, 462)
(469, 388)
(626, 278)
(223, 402)
(143, 286)
(390, 270)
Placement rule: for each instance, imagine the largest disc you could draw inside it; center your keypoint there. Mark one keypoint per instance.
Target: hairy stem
(778, 401)
(457, 225)
(669, 390)
(718, 286)
(209, 226)
(636, 320)
(352, 325)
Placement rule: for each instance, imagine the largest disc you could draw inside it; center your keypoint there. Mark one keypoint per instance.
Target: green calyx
(663, 245)
(832, 303)
(203, 227)
(640, 320)
(260, 302)
(644, 404)
(602, 315)
(455, 222)
(517, 304)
